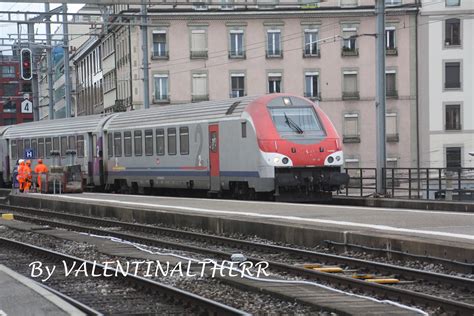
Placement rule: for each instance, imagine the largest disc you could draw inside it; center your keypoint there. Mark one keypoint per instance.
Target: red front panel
(214, 150)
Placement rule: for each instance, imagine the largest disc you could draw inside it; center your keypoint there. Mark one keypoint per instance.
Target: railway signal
(26, 61)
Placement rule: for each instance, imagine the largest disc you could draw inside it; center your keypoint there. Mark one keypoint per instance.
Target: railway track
(105, 295)
(343, 282)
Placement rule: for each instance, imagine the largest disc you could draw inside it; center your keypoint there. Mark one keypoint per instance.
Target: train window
(40, 147)
(20, 149)
(160, 142)
(244, 129)
(56, 143)
(80, 146)
(296, 119)
(184, 140)
(72, 143)
(110, 144)
(14, 150)
(149, 142)
(27, 143)
(214, 142)
(171, 141)
(94, 146)
(48, 148)
(63, 146)
(118, 144)
(137, 141)
(34, 146)
(127, 143)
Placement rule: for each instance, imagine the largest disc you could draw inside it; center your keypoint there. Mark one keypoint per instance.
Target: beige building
(326, 52)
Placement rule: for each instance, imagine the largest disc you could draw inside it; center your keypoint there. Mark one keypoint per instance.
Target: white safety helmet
(21, 160)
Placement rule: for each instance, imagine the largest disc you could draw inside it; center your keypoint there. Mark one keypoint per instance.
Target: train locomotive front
(300, 146)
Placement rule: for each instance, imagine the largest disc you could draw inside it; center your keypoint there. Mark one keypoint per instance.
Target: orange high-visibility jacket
(41, 168)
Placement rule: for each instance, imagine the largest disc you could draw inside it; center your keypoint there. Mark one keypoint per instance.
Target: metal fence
(413, 183)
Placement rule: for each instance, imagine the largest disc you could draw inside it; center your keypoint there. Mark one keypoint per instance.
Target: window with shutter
(198, 44)
(351, 90)
(200, 88)
(452, 75)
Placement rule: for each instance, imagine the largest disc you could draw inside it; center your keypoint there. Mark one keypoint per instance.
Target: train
(276, 145)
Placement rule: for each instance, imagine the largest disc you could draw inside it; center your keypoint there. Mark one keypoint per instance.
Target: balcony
(392, 138)
(200, 98)
(353, 95)
(346, 51)
(160, 55)
(313, 96)
(277, 53)
(348, 139)
(198, 54)
(391, 51)
(391, 94)
(311, 54)
(164, 99)
(237, 94)
(237, 54)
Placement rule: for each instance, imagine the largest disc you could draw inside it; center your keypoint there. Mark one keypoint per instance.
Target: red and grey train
(278, 145)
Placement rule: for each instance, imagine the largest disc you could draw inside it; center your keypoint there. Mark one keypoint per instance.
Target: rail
(413, 183)
(399, 294)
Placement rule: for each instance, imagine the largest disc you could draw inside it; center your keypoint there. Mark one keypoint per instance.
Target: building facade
(446, 83)
(214, 51)
(13, 90)
(327, 53)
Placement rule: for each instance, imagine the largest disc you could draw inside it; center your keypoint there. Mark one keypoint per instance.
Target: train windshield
(299, 120)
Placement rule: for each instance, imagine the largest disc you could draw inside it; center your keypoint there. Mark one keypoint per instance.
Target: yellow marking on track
(7, 216)
(329, 269)
(363, 276)
(312, 266)
(383, 281)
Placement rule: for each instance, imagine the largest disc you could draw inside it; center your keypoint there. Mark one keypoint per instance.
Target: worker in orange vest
(40, 169)
(28, 175)
(21, 175)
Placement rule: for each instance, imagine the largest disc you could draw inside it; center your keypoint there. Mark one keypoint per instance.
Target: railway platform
(441, 234)
(22, 296)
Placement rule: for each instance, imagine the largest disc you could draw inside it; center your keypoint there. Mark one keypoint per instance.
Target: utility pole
(49, 61)
(67, 75)
(34, 68)
(146, 79)
(380, 96)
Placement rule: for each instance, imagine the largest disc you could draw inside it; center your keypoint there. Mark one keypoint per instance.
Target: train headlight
(285, 160)
(338, 158)
(330, 159)
(276, 160)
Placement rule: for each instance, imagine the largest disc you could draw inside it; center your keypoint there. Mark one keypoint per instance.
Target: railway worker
(40, 169)
(21, 175)
(28, 175)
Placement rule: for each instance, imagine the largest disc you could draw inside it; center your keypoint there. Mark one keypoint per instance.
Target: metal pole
(380, 96)
(67, 75)
(49, 61)
(34, 69)
(146, 79)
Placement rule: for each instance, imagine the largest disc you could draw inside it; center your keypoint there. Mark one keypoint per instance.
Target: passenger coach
(276, 144)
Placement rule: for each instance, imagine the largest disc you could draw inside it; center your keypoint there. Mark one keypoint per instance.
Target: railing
(195, 54)
(414, 183)
(236, 54)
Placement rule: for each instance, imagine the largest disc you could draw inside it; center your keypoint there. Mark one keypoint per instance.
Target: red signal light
(26, 60)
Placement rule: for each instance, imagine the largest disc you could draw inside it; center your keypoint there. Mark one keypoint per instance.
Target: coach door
(214, 157)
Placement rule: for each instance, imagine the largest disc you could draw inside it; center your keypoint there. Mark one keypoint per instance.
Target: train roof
(65, 126)
(181, 113)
